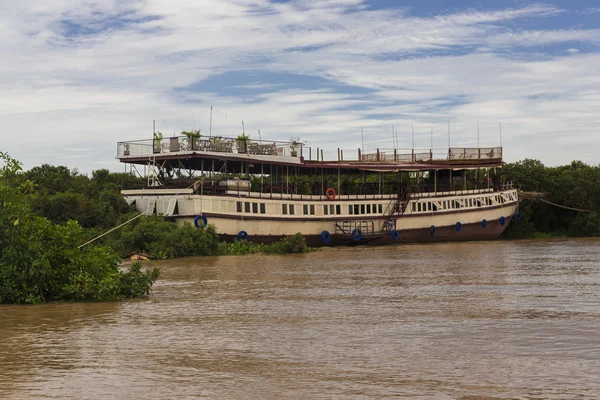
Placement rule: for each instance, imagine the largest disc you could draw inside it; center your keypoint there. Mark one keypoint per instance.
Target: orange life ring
(330, 193)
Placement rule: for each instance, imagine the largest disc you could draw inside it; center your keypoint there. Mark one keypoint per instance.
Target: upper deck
(185, 152)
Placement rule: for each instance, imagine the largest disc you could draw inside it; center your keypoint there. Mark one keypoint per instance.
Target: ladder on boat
(396, 209)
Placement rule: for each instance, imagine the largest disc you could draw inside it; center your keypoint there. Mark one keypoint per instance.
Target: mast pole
(362, 135)
(210, 124)
(500, 134)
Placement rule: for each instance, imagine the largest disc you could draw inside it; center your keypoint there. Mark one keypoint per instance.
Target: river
(487, 320)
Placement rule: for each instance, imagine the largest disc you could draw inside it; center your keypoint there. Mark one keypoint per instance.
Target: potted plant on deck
(193, 139)
(157, 142)
(242, 143)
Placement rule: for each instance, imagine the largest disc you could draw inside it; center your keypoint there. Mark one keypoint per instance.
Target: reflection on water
(492, 320)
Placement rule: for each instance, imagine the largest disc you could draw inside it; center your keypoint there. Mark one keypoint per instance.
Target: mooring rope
(565, 207)
(134, 218)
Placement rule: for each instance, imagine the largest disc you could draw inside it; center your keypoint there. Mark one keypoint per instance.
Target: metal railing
(179, 144)
(462, 153)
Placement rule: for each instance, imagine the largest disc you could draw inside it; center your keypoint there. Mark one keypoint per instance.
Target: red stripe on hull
(469, 232)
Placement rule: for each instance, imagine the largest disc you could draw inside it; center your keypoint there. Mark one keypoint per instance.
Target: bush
(40, 261)
(288, 245)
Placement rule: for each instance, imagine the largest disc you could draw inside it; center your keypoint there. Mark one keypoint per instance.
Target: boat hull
(469, 232)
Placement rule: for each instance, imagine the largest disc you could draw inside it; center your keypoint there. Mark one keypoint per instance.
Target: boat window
(263, 209)
(429, 206)
(305, 209)
(292, 209)
(380, 209)
(362, 208)
(338, 209)
(247, 207)
(312, 209)
(332, 209)
(325, 209)
(239, 206)
(414, 207)
(356, 209)
(434, 207)
(284, 209)
(374, 208)
(255, 208)
(350, 209)
(368, 209)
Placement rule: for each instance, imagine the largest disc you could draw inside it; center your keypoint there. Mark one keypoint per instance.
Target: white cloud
(85, 92)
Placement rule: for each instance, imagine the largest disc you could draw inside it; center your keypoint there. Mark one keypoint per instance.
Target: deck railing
(463, 153)
(183, 144)
(178, 144)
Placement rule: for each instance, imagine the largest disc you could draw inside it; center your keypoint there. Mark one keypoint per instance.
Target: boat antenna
(362, 135)
(448, 132)
(432, 139)
(478, 134)
(500, 134)
(393, 138)
(413, 136)
(210, 124)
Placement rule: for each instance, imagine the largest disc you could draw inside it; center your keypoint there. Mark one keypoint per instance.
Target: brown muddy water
(489, 320)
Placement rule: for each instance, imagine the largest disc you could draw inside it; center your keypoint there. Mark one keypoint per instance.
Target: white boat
(262, 191)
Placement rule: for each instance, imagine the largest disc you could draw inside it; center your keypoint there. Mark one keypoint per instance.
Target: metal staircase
(396, 209)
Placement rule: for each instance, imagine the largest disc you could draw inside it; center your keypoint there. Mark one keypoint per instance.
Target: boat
(262, 190)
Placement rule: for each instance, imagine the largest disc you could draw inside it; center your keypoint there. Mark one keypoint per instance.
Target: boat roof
(200, 153)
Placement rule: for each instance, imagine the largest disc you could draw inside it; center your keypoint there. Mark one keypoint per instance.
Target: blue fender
(483, 223)
(197, 221)
(502, 221)
(395, 234)
(518, 216)
(243, 235)
(458, 227)
(432, 230)
(357, 235)
(326, 237)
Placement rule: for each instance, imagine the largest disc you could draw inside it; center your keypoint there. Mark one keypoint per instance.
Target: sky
(77, 76)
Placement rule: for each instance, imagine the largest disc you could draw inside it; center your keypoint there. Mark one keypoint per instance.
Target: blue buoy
(483, 223)
(502, 221)
(432, 230)
(243, 235)
(458, 227)
(197, 221)
(357, 235)
(326, 237)
(395, 234)
(518, 216)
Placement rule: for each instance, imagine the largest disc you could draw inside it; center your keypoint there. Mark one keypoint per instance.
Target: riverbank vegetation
(576, 186)
(40, 260)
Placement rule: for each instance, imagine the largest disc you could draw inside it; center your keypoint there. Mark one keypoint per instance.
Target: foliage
(163, 239)
(39, 259)
(288, 245)
(576, 185)
(193, 134)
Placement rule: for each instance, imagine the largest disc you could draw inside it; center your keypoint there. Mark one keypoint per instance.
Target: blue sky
(78, 76)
